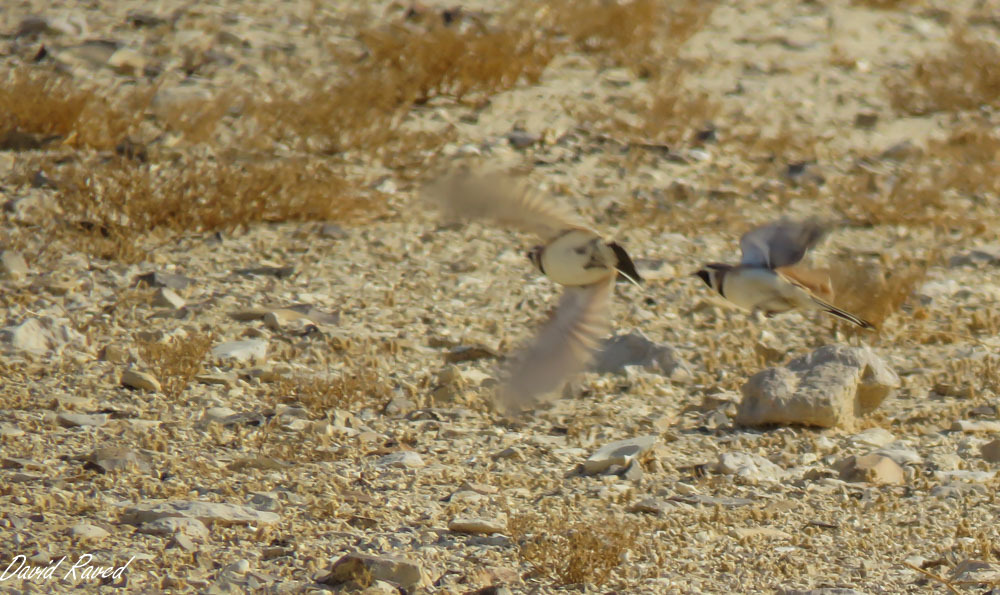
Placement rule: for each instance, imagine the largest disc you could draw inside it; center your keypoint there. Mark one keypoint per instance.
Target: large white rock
(619, 452)
(635, 349)
(830, 387)
(253, 350)
(43, 334)
(749, 467)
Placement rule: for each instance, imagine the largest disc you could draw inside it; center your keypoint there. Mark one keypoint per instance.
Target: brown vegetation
(39, 106)
(115, 202)
(177, 362)
(571, 552)
(965, 77)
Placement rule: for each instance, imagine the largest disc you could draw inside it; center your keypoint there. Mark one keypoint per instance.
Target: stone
(478, 526)
(966, 476)
(12, 265)
(520, 139)
(254, 350)
(957, 490)
(469, 353)
(750, 467)
(88, 532)
(171, 525)
(72, 25)
(704, 500)
(115, 354)
(652, 506)
(140, 380)
(972, 426)
(10, 430)
(41, 335)
(903, 456)
(989, 451)
(871, 468)
(128, 62)
(115, 458)
(876, 437)
(989, 255)
(829, 387)
(267, 271)
(971, 572)
(634, 349)
(742, 533)
(70, 420)
(168, 280)
(403, 572)
(820, 591)
(620, 453)
(406, 459)
(168, 298)
(206, 512)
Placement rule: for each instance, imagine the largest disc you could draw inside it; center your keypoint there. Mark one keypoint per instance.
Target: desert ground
(240, 353)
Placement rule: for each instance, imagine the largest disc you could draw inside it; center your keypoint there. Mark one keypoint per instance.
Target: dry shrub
(196, 119)
(350, 390)
(177, 362)
(965, 77)
(642, 35)
(664, 117)
(115, 202)
(50, 106)
(568, 551)
(954, 184)
(872, 292)
(403, 66)
(885, 4)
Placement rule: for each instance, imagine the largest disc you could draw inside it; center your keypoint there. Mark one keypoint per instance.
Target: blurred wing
(780, 244)
(495, 198)
(563, 348)
(816, 281)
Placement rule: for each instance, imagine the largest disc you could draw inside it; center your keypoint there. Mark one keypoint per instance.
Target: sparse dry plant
(116, 202)
(402, 66)
(965, 77)
(868, 290)
(643, 35)
(954, 184)
(568, 551)
(38, 106)
(177, 362)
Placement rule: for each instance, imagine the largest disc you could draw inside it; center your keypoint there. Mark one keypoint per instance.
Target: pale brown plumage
(573, 255)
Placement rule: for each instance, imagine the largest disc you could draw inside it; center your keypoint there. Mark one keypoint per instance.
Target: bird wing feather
(781, 243)
(815, 281)
(564, 346)
(495, 198)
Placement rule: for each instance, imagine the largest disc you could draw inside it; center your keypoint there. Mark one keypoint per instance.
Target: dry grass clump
(965, 77)
(402, 66)
(954, 184)
(568, 551)
(38, 106)
(642, 35)
(873, 292)
(351, 390)
(115, 202)
(665, 116)
(177, 362)
(885, 4)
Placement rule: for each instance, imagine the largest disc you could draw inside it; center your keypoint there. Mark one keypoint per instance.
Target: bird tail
(842, 314)
(625, 266)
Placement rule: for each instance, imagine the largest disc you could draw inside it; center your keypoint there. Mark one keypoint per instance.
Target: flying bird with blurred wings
(767, 278)
(572, 254)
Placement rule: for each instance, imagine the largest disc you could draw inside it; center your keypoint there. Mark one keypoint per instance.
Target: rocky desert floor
(238, 349)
